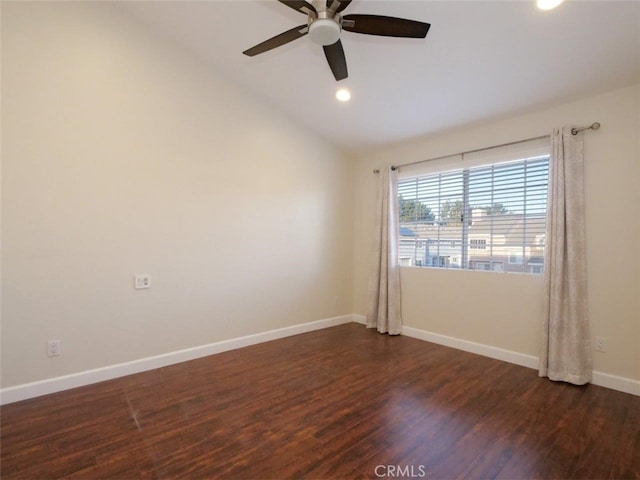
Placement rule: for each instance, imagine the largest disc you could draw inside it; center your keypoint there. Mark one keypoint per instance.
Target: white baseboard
(359, 319)
(479, 348)
(622, 384)
(614, 382)
(57, 384)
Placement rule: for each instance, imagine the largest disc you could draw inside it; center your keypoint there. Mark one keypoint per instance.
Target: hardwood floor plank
(626, 459)
(345, 402)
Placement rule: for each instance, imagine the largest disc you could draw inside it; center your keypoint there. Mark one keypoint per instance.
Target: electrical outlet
(53, 348)
(142, 280)
(600, 344)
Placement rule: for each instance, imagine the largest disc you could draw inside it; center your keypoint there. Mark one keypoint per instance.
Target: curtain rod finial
(593, 126)
(393, 167)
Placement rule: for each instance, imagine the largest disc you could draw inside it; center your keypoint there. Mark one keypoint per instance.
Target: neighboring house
(504, 242)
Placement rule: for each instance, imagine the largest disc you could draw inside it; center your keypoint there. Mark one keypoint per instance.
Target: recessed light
(548, 4)
(343, 94)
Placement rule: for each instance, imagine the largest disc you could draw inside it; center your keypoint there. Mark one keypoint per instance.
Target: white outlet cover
(53, 348)
(142, 280)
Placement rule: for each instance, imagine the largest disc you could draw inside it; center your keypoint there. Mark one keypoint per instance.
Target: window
(515, 258)
(405, 261)
(482, 215)
(478, 244)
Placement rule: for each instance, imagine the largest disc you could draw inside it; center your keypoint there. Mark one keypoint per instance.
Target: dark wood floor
(344, 402)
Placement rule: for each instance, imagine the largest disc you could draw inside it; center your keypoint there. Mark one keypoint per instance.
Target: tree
(451, 213)
(495, 209)
(414, 211)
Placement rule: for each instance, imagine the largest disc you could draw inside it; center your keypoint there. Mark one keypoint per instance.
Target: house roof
(512, 227)
(407, 232)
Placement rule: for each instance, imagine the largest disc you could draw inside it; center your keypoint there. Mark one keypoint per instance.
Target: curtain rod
(593, 126)
(574, 131)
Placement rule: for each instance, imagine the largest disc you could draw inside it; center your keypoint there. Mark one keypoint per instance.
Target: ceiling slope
(480, 60)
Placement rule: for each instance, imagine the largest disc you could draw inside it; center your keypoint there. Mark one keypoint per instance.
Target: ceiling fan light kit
(324, 31)
(325, 24)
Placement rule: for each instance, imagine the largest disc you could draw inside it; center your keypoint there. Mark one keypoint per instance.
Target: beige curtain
(383, 310)
(566, 344)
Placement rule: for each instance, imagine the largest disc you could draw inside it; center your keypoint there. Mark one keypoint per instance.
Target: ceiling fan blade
(337, 61)
(342, 4)
(385, 26)
(278, 40)
(299, 5)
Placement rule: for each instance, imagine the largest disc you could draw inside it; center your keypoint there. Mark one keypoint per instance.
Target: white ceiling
(480, 60)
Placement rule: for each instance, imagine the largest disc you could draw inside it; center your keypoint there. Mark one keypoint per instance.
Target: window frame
(470, 251)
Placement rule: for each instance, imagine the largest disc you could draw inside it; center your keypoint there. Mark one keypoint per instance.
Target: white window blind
(483, 215)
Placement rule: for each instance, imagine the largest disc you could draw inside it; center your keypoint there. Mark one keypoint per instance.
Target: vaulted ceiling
(480, 60)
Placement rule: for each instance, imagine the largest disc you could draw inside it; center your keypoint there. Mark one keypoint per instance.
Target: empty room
(323, 239)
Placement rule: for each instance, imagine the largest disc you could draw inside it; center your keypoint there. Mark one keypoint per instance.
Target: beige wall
(503, 310)
(122, 154)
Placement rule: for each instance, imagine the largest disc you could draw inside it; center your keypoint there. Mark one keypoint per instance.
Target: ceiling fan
(324, 24)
